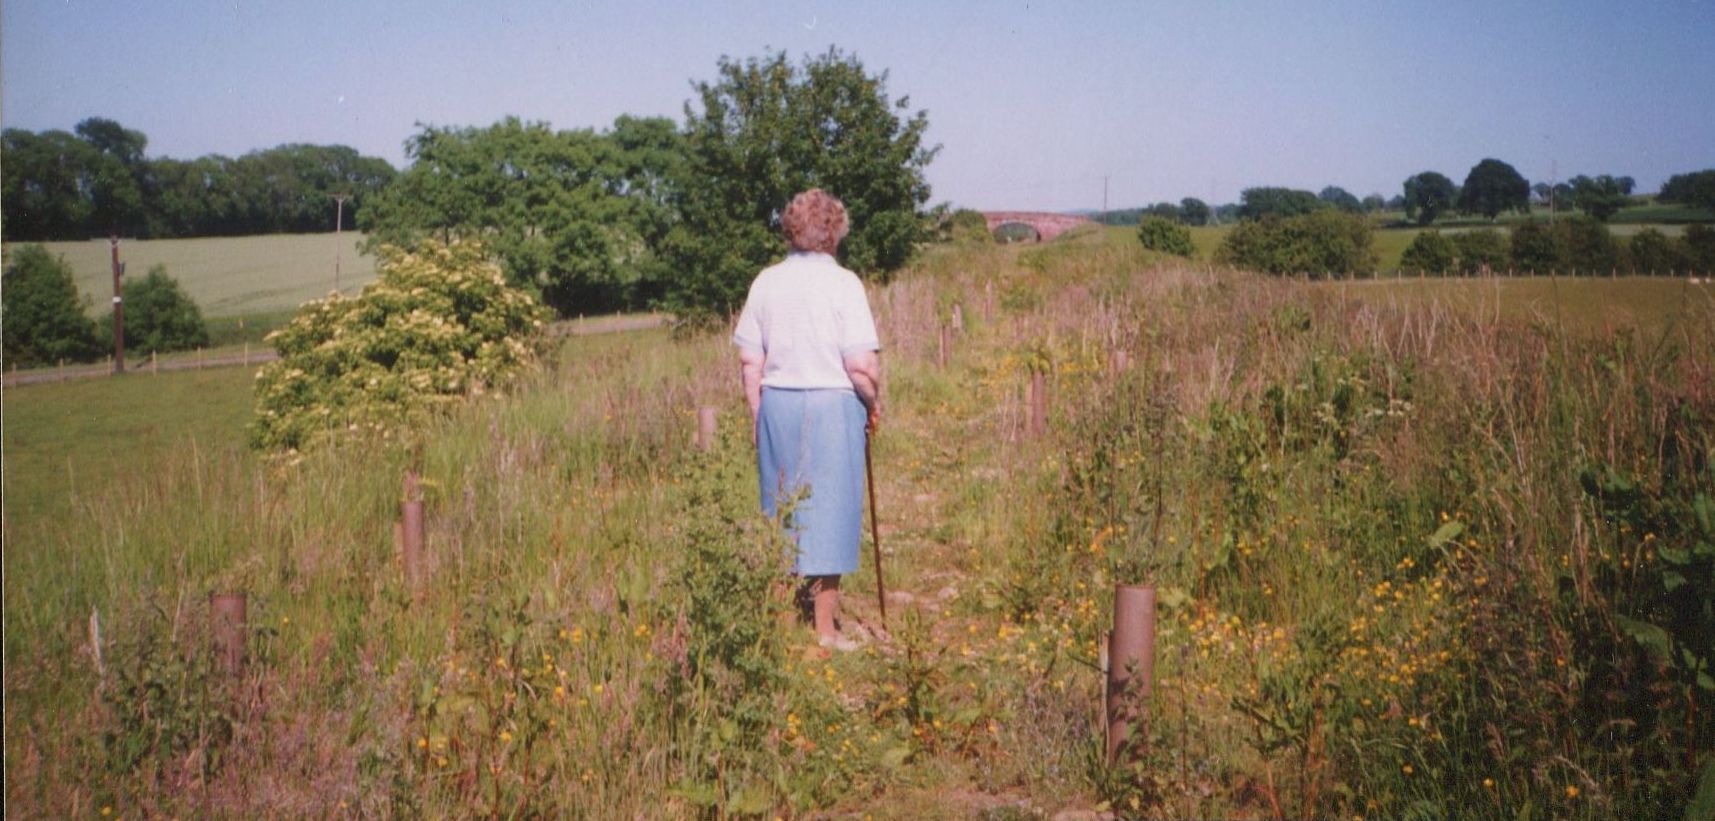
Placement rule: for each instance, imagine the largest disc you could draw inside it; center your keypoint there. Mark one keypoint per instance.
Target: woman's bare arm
(864, 370)
(750, 363)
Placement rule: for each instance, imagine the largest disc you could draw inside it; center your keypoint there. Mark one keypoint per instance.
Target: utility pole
(338, 224)
(1553, 183)
(1104, 199)
(118, 309)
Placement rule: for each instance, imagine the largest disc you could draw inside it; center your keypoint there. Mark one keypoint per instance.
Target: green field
(228, 276)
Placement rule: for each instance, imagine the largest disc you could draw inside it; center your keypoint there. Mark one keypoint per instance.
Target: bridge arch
(1045, 225)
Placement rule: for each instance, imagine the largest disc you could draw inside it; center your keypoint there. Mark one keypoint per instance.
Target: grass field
(229, 277)
(1321, 479)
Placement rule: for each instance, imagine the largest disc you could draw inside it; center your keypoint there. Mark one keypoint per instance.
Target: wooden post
(227, 627)
(246, 354)
(411, 530)
(1038, 403)
(958, 318)
(946, 342)
(708, 420)
(154, 364)
(118, 310)
(1131, 667)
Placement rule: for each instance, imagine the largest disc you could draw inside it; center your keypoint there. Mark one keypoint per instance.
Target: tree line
(96, 180)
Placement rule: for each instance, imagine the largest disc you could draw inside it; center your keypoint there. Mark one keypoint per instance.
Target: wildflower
(422, 743)
(506, 736)
(1489, 783)
(1571, 791)
(1407, 769)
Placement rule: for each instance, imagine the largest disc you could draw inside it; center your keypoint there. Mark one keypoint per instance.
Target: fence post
(1038, 403)
(411, 530)
(227, 619)
(1131, 666)
(707, 423)
(958, 318)
(946, 342)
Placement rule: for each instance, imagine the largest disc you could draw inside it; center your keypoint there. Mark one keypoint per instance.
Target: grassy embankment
(1383, 589)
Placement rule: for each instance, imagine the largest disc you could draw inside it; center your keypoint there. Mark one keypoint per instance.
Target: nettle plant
(438, 325)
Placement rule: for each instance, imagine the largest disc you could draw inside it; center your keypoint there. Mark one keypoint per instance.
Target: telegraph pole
(338, 224)
(1104, 199)
(118, 309)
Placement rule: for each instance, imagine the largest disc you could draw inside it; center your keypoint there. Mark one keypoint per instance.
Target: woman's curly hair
(814, 221)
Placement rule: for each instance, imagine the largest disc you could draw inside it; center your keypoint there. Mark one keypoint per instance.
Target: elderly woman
(809, 357)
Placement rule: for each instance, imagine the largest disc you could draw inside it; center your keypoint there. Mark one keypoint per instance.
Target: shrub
(1325, 243)
(1590, 248)
(1538, 248)
(41, 316)
(1429, 254)
(968, 226)
(1166, 236)
(1651, 252)
(1480, 250)
(1698, 247)
(160, 316)
(438, 323)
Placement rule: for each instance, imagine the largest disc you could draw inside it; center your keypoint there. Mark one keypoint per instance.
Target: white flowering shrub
(439, 324)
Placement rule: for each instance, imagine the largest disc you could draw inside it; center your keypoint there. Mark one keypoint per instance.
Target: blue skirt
(812, 441)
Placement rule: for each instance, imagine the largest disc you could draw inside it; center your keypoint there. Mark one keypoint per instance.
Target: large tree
(569, 214)
(1342, 199)
(1493, 187)
(1426, 196)
(1272, 201)
(1193, 211)
(1696, 189)
(766, 129)
(1600, 197)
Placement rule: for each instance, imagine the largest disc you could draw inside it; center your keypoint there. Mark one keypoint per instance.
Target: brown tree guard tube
(874, 528)
(226, 613)
(411, 529)
(1131, 664)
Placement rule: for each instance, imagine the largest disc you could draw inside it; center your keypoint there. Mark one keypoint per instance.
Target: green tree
(570, 215)
(1696, 189)
(1601, 197)
(1429, 254)
(766, 129)
(1537, 248)
(41, 317)
(1375, 203)
(42, 190)
(1326, 243)
(1493, 186)
(159, 315)
(115, 176)
(1426, 196)
(1590, 248)
(1193, 211)
(1651, 252)
(1697, 248)
(1341, 198)
(1165, 235)
(1481, 250)
(1269, 201)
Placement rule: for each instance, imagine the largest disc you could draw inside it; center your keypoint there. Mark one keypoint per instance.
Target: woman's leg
(826, 591)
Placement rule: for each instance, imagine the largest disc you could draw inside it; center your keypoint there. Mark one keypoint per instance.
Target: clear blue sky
(1033, 103)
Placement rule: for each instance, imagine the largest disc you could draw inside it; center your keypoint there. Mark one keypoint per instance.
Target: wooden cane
(874, 528)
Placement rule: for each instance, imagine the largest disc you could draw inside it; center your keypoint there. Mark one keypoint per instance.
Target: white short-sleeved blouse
(806, 315)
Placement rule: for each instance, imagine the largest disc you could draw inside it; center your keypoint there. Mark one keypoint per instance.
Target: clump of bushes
(439, 323)
(967, 226)
(1165, 235)
(41, 316)
(1432, 253)
(1326, 243)
(159, 315)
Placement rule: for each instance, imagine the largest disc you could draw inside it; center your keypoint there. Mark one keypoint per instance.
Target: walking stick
(874, 528)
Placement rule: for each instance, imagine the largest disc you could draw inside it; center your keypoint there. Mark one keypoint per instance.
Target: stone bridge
(1047, 226)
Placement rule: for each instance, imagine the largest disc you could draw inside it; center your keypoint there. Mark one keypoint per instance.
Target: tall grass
(1403, 551)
